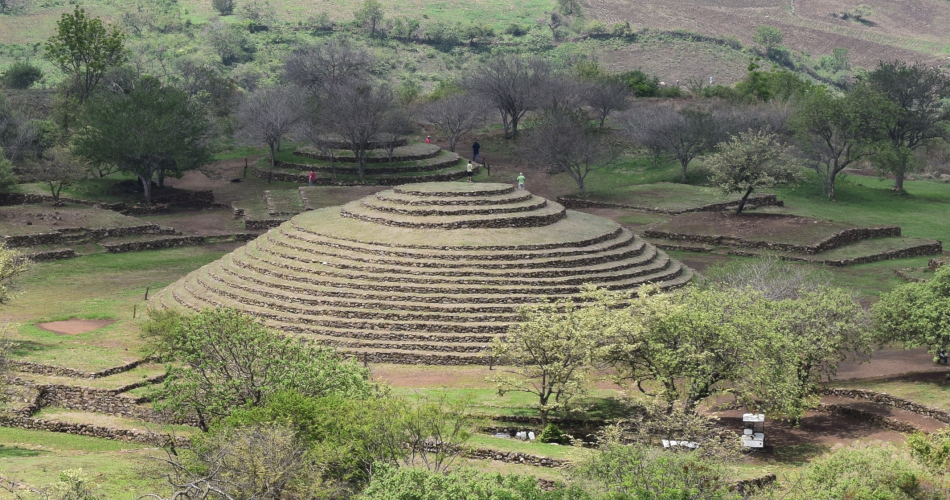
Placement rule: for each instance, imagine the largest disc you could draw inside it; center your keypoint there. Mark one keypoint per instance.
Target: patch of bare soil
(888, 363)
(74, 326)
(200, 221)
(815, 428)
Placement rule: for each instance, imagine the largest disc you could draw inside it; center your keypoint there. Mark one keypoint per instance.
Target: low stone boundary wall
(59, 371)
(866, 416)
(132, 435)
(95, 234)
(916, 251)
(135, 246)
(378, 157)
(841, 238)
(378, 181)
(762, 200)
(894, 401)
(514, 457)
(183, 199)
(66, 253)
(262, 224)
(515, 221)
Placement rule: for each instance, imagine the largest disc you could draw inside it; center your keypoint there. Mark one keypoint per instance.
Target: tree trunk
(603, 118)
(899, 181)
(273, 155)
(831, 187)
(743, 200)
(683, 176)
(147, 188)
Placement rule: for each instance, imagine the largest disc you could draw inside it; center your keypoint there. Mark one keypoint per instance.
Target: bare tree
(565, 142)
(683, 134)
(316, 130)
(57, 168)
(606, 97)
(358, 111)
(456, 115)
(269, 114)
(317, 67)
(513, 84)
(396, 124)
(560, 91)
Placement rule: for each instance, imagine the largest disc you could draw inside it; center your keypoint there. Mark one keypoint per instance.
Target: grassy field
(100, 286)
(931, 390)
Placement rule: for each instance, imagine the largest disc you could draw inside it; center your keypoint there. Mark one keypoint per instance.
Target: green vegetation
(917, 315)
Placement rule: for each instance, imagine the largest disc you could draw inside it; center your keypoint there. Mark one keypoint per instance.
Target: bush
(470, 484)
(596, 28)
(551, 434)
(22, 75)
(641, 84)
(225, 7)
(515, 29)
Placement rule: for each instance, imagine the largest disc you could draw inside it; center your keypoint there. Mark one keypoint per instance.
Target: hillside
(902, 29)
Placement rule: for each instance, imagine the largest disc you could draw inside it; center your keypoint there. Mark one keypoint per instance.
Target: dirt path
(74, 326)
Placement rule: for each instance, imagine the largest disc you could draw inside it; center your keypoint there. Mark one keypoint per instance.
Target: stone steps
(414, 200)
(529, 205)
(549, 214)
(613, 240)
(351, 267)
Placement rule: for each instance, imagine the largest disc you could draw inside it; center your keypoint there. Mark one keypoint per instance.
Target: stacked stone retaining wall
(59, 371)
(379, 181)
(889, 400)
(924, 249)
(132, 435)
(60, 236)
(369, 159)
(753, 201)
(838, 239)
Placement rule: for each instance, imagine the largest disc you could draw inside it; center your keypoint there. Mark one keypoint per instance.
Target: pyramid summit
(422, 273)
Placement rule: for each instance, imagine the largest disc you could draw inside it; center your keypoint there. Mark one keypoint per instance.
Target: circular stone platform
(422, 273)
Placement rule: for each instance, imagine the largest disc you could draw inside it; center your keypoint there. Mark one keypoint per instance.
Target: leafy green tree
(154, 130)
(836, 132)
(920, 113)
(917, 314)
(546, 354)
(873, 471)
(12, 7)
(768, 37)
(687, 345)
(22, 75)
(229, 360)
(369, 15)
(224, 7)
(749, 161)
(85, 49)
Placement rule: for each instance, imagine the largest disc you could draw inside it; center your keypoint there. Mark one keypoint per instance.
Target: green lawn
(37, 458)
(99, 286)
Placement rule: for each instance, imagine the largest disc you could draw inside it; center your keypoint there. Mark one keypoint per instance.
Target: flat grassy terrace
(931, 389)
(99, 286)
(20, 220)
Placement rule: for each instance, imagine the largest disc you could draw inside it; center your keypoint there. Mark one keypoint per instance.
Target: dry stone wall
(60, 236)
(839, 239)
(762, 200)
(893, 401)
(132, 435)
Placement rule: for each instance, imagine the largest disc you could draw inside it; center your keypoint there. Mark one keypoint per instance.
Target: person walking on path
(468, 171)
(521, 182)
(312, 177)
(475, 147)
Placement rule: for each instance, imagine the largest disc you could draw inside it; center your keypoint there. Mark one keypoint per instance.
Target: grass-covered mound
(422, 273)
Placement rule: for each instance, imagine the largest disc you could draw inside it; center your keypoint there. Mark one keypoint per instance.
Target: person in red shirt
(313, 177)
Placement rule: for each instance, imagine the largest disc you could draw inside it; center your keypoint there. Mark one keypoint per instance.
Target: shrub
(224, 7)
(22, 75)
(515, 29)
(551, 434)
(596, 28)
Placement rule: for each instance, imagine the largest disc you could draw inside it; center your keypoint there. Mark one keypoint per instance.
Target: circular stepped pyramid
(423, 273)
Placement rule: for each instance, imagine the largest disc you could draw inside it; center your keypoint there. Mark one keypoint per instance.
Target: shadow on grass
(25, 347)
(15, 452)
(799, 454)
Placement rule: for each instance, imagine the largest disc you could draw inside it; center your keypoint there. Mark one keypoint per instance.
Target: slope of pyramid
(422, 273)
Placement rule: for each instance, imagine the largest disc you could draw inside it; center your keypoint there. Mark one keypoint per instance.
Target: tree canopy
(85, 49)
(749, 161)
(917, 314)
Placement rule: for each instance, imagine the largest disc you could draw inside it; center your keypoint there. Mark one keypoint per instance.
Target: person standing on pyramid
(521, 182)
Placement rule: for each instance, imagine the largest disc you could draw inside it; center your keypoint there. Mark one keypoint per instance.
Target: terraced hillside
(423, 273)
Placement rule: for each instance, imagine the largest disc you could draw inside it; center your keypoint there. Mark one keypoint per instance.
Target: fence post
(146, 292)
(245, 168)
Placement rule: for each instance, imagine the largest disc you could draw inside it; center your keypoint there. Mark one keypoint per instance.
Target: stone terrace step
(455, 190)
(613, 261)
(414, 200)
(529, 205)
(547, 215)
(612, 241)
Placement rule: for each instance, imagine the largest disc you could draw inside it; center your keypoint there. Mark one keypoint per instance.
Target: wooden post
(487, 167)
(491, 363)
(245, 168)
(146, 292)
(134, 306)
(365, 362)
